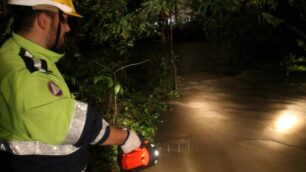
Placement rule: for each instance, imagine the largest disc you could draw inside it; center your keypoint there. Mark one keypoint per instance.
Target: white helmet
(66, 6)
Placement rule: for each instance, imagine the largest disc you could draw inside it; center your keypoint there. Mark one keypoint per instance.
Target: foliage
(294, 21)
(254, 28)
(294, 63)
(221, 14)
(274, 21)
(142, 113)
(113, 24)
(217, 7)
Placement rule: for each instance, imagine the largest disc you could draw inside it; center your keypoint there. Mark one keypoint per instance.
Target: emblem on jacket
(54, 89)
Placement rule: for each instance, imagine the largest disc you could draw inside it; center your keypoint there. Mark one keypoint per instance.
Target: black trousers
(75, 162)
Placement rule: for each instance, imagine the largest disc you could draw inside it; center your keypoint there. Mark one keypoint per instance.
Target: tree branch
(133, 64)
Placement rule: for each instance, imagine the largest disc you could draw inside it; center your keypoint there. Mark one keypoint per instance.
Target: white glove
(132, 142)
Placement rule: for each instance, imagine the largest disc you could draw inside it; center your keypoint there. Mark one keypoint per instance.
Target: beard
(52, 42)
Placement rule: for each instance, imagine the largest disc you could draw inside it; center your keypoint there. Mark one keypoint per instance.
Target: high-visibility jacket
(38, 114)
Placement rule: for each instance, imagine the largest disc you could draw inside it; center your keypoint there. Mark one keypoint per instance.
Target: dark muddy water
(250, 122)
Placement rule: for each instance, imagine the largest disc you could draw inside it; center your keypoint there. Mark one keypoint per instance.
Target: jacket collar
(36, 50)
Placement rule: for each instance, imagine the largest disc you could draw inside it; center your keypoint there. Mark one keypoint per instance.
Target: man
(42, 127)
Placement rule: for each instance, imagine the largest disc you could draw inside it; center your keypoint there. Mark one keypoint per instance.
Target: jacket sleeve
(51, 115)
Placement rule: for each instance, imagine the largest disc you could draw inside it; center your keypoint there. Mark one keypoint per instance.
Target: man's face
(55, 21)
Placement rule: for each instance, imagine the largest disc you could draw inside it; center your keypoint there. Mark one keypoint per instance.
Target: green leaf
(107, 80)
(117, 88)
(274, 21)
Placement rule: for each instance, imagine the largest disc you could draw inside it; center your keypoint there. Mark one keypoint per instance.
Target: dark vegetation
(120, 56)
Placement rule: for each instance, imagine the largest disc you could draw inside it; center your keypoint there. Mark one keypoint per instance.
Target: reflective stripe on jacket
(36, 148)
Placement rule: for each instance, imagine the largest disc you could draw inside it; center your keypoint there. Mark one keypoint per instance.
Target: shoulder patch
(33, 64)
(55, 89)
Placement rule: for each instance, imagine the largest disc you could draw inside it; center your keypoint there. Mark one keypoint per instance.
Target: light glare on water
(286, 122)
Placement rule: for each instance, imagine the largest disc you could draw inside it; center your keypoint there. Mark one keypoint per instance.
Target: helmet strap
(58, 33)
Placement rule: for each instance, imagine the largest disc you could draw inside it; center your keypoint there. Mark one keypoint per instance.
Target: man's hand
(127, 139)
(132, 142)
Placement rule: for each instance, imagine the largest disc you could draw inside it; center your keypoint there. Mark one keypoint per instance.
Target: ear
(43, 21)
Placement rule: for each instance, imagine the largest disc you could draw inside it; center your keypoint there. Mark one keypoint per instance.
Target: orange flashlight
(140, 158)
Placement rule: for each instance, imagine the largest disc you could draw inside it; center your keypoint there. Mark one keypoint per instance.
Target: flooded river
(252, 121)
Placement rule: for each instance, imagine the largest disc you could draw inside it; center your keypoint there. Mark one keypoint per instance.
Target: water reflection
(289, 120)
(195, 104)
(286, 122)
